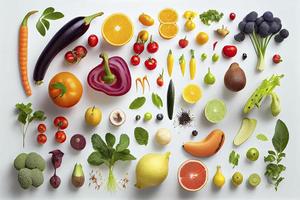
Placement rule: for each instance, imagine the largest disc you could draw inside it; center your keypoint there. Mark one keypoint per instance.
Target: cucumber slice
(254, 180)
(246, 130)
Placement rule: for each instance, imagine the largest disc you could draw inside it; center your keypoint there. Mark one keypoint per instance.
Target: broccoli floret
(274, 27)
(35, 161)
(20, 160)
(242, 26)
(239, 37)
(278, 38)
(259, 20)
(249, 28)
(277, 20)
(268, 16)
(263, 29)
(37, 177)
(251, 17)
(284, 33)
(24, 178)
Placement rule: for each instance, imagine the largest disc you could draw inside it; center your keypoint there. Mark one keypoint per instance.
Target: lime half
(254, 180)
(215, 110)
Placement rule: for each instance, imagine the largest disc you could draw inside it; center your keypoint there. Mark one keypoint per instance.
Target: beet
(55, 181)
(78, 142)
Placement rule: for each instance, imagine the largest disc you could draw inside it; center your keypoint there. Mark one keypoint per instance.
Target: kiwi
(235, 78)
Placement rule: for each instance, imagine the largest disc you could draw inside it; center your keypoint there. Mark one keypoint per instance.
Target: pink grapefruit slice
(192, 175)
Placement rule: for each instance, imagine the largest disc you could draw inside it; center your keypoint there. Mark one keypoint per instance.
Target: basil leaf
(99, 145)
(110, 139)
(40, 27)
(262, 137)
(156, 100)
(137, 103)
(46, 23)
(272, 152)
(48, 10)
(281, 136)
(123, 143)
(54, 16)
(95, 159)
(234, 158)
(141, 136)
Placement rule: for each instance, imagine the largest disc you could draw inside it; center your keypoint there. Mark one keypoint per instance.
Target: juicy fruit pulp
(254, 180)
(151, 170)
(168, 31)
(192, 93)
(215, 110)
(117, 29)
(192, 175)
(219, 178)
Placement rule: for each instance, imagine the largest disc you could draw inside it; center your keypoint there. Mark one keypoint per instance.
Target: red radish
(152, 46)
(80, 51)
(93, 40)
(277, 59)
(70, 57)
(229, 51)
(232, 16)
(183, 42)
(138, 47)
(135, 60)
(150, 63)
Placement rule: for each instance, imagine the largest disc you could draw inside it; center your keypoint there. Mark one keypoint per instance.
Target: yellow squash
(182, 64)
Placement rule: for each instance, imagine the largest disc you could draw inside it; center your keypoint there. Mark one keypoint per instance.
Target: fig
(117, 117)
(235, 78)
(78, 142)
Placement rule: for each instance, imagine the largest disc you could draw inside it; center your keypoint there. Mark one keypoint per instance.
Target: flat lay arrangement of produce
(109, 103)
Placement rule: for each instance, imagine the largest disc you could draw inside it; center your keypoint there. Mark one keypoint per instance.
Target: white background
(12, 13)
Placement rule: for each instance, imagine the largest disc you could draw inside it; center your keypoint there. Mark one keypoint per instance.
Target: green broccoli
(24, 178)
(20, 160)
(37, 177)
(35, 161)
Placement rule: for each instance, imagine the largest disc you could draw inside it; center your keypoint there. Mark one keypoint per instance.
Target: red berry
(41, 138)
(150, 63)
(41, 128)
(232, 16)
(277, 59)
(80, 51)
(138, 47)
(70, 57)
(183, 42)
(135, 60)
(93, 40)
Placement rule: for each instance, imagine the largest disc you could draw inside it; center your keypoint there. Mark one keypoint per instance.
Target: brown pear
(235, 78)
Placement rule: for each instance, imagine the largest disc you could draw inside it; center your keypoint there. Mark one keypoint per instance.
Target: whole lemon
(93, 116)
(202, 38)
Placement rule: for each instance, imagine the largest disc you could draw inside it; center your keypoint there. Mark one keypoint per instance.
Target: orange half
(168, 15)
(168, 31)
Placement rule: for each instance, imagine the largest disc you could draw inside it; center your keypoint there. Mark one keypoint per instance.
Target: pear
(219, 178)
(93, 116)
(152, 169)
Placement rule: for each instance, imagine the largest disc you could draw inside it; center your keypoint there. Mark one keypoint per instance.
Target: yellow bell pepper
(170, 62)
(182, 64)
(192, 65)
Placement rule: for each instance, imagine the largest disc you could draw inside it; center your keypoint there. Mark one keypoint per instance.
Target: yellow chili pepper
(182, 64)
(170, 62)
(192, 65)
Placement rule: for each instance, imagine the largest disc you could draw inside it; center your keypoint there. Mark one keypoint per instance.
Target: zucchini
(170, 99)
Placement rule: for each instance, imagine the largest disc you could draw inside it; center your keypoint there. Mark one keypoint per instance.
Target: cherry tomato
(60, 136)
(93, 40)
(232, 16)
(277, 59)
(135, 60)
(41, 138)
(152, 46)
(41, 128)
(160, 79)
(70, 57)
(60, 122)
(183, 42)
(80, 51)
(150, 63)
(138, 47)
(229, 51)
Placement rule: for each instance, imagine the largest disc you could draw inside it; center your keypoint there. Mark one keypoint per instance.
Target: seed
(137, 117)
(244, 56)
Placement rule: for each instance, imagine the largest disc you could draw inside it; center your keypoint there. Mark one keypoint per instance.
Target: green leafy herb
(137, 103)
(26, 116)
(210, 16)
(105, 153)
(43, 23)
(274, 167)
(141, 136)
(262, 137)
(156, 100)
(234, 158)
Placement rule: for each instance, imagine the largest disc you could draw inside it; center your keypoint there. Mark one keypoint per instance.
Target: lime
(252, 154)
(237, 178)
(147, 116)
(215, 110)
(192, 93)
(254, 180)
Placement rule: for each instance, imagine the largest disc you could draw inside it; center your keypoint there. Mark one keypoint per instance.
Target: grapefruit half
(192, 175)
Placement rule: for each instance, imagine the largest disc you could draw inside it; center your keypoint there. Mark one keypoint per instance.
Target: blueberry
(251, 17)
(244, 56)
(194, 133)
(159, 117)
(137, 117)
(278, 38)
(249, 28)
(284, 33)
(242, 26)
(239, 37)
(268, 16)
(259, 20)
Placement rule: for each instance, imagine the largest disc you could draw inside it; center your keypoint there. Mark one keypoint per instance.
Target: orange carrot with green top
(23, 53)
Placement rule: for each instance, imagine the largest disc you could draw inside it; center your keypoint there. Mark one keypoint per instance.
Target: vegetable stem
(89, 19)
(109, 77)
(24, 22)
(111, 182)
(261, 61)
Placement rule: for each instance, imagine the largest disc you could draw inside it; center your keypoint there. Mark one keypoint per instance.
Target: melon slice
(246, 130)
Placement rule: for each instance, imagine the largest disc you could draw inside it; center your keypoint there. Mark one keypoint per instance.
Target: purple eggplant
(65, 36)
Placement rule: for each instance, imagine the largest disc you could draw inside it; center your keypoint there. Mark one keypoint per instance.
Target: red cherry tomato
(183, 42)
(60, 136)
(70, 57)
(160, 79)
(135, 60)
(80, 51)
(138, 47)
(152, 46)
(93, 40)
(60, 122)
(41, 128)
(229, 51)
(41, 138)
(277, 59)
(150, 63)
(232, 16)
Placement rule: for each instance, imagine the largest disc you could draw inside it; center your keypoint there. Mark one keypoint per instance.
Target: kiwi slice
(254, 180)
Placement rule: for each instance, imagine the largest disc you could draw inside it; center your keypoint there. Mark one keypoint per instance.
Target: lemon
(192, 93)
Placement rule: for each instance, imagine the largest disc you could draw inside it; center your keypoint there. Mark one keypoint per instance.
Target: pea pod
(192, 65)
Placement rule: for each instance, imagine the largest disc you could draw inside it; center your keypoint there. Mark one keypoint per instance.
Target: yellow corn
(192, 65)
(182, 64)
(170, 62)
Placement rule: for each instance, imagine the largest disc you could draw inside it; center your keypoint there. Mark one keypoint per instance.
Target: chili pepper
(182, 64)
(112, 76)
(170, 62)
(142, 82)
(214, 45)
(192, 65)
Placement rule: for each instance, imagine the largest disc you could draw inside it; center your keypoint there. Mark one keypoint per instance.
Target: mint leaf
(54, 16)
(156, 100)
(234, 158)
(48, 10)
(40, 27)
(99, 145)
(110, 139)
(137, 103)
(141, 136)
(123, 143)
(95, 159)
(262, 137)
(281, 136)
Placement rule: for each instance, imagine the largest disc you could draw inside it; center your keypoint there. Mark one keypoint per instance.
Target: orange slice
(168, 31)
(167, 15)
(117, 29)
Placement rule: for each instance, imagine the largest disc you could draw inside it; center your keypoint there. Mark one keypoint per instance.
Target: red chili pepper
(214, 45)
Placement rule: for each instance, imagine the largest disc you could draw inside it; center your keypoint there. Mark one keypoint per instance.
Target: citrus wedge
(168, 15)
(168, 31)
(117, 29)
(192, 93)
(215, 110)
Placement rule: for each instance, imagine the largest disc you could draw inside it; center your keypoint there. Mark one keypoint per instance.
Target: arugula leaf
(137, 103)
(110, 139)
(281, 136)
(156, 100)
(141, 136)
(262, 137)
(234, 158)
(95, 159)
(123, 143)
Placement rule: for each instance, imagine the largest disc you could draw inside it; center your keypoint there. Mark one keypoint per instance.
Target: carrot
(23, 51)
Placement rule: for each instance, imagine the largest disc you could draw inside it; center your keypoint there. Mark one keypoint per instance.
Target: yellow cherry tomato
(146, 20)
(143, 36)
(202, 38)
(189, 25)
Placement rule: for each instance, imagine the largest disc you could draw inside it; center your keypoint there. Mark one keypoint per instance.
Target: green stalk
(109, 77)
(261, 61)
(111, 181)
(89, 19)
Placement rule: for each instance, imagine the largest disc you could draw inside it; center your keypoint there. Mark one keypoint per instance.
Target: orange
(117, 29)
(167, 15)
(202, 38)
(168, 31)
(192, 175)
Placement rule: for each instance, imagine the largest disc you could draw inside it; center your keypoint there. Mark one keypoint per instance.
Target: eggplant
(65, 36)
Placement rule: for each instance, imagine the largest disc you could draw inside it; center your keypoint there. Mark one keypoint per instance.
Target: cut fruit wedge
(192, 93)
(168, 31)
(117, 29)
(192, 175)
(168, 15)
(215, 110)
(246, 130)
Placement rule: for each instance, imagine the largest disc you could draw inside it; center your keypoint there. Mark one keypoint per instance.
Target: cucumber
(170, 99)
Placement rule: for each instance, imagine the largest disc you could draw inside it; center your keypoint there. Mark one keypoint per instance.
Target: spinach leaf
(110, 139)
(281, 136)
(156, 100)
(95, 159)
(137, 103)
(141, 136)
(123, 143)
(99, 145)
